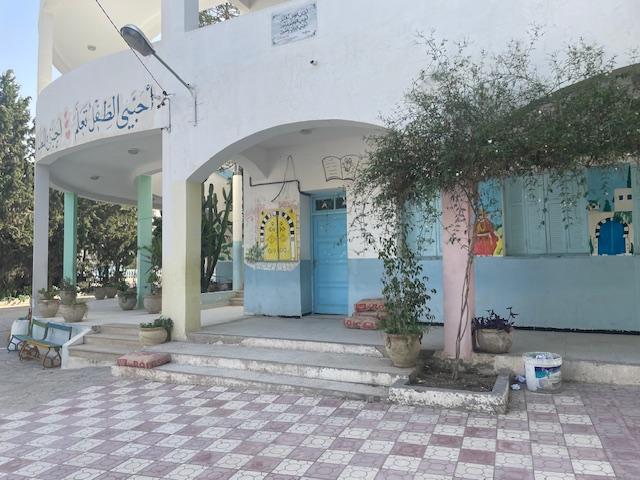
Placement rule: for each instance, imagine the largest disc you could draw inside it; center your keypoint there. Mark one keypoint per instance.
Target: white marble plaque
(294, 24)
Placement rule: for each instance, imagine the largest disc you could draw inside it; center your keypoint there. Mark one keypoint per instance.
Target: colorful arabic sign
(95, 118)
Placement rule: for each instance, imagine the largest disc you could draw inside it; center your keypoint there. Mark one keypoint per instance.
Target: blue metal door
(330, 282)
(611, 240)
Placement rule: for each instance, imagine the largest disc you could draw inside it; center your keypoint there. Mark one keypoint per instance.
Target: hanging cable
(284, 178)
(132, 50)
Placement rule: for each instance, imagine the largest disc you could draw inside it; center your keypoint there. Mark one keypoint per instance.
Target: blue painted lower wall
(581, 292)
(272, 292)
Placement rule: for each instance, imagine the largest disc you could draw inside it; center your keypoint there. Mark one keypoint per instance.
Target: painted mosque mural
(489, 230)
(610, 197)
(278, 234)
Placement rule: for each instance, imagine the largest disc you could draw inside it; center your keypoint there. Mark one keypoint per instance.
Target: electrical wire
(164, 92)
(284, 178)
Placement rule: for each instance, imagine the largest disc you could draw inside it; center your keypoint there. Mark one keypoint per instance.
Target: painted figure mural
(489, 232)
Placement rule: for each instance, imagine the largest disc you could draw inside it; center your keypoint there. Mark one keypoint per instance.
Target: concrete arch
(246, 151)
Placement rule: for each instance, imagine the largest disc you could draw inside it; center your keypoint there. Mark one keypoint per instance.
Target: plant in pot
(406, 301)
(48, 304)
(67, 291)
(99, 292)
(127, 296)
(153, 254)
(493, 333)
(156, 332)
(73, 310)
(110, 290)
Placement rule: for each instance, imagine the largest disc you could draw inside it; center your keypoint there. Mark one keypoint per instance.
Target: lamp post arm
(191, 89)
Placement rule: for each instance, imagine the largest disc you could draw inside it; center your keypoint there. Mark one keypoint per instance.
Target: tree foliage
(219, 13)
(216, 228)
(474, 117)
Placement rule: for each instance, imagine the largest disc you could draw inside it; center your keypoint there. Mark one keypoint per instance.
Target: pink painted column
(454, 262)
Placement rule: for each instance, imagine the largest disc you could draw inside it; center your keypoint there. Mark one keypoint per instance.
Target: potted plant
(127, 297)
(99, 292)
(73, 311)
(153, 301)
(48, 304)
(406, 298)
(67, 291)
(493, 333)
(156, 332)
(110, 290)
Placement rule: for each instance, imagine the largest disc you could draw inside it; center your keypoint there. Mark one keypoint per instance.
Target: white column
(237, 245)
(178, 16)
(40, 232)
(45, 48)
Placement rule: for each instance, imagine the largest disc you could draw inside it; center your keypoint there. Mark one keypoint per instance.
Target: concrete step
(203, 337)
(236, 302)
(120, 329)
(111, 340)
(310, 365)
(86, 355)
(212, 376)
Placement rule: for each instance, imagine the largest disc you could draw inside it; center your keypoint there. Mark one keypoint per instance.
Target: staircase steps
(238, 299)
(287, 369)
(103, 348)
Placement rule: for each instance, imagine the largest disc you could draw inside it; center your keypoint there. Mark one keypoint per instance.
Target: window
(537, 222)
(424, 234)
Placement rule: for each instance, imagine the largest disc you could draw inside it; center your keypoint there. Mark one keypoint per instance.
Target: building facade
(289, 91)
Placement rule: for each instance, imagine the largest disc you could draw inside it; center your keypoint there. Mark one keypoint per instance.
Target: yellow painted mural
(278, 233)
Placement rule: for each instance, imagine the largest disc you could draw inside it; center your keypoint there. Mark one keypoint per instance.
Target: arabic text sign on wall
(294, 24)
(96, 118)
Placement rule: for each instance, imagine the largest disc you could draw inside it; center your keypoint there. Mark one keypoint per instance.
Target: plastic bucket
(542, 371)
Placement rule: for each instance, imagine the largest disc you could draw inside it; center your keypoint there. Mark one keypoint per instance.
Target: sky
(19, 43)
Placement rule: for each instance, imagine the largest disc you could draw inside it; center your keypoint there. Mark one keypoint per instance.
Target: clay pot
(67, 296)
(48, 308)
(403, 350)
(74, 312)
(99, 293)
(152, 303)
(110, 292)
(127, 302)
(489, 340)
(152, 336)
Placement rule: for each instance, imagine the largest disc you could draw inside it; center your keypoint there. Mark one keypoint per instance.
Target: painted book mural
(610, 196)
(278, 234)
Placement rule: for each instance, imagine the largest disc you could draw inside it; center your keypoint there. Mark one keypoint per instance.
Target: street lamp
(137, 40)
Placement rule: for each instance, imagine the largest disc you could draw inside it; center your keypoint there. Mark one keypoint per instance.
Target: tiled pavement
(149, 430)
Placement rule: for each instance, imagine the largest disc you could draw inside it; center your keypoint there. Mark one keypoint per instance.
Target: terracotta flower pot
(152, 336)
(403, 350)
(127, 302)
(99, 293)
(110, 292)
(48, 308)
(74, 312)
(152, 303)
(489, 340)
(67, 296)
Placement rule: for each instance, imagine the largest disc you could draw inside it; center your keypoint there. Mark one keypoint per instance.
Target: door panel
(330, 281)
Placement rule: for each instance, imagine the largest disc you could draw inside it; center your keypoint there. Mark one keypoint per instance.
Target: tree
(219, 13)
(16, 187)
(470, 119)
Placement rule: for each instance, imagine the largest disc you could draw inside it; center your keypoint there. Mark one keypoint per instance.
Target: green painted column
(145, 222)
(70, 251)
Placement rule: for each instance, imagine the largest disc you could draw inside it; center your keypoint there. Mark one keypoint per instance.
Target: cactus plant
(215, 231)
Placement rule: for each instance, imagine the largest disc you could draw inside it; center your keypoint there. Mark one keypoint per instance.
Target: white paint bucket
(542, 370)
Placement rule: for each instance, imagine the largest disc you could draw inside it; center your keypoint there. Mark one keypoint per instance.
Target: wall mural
(95, 117)
(340, 168)
(610, 196)
(278, 235)
(489, 225)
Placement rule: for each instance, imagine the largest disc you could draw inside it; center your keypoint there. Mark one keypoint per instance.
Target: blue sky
(19, 43)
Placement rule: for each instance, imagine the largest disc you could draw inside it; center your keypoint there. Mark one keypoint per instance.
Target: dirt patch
(436, 373)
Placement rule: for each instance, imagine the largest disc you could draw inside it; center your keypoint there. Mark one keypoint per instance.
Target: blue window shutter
(423, 232)
(514, 225)
(535, 217)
